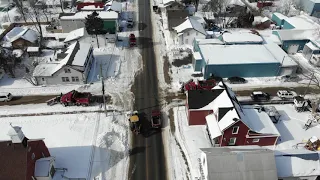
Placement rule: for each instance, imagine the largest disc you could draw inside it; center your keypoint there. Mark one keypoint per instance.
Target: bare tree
(35, 16)
(22, 10)
(218, 7)
(286, 6)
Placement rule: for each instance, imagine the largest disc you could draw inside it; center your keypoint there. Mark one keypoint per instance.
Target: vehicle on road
(130, 23)
(284, 94)
(156, 119)
(132, 40)
(259, 96)
(236, 80)
(290, 78)
(5, 97)
(135, 124)
(76, 98)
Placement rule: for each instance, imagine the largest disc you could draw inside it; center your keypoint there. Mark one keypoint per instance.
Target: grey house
(69, 66)
(240, 163)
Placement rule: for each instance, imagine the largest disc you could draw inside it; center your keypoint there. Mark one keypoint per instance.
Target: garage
(293, 48)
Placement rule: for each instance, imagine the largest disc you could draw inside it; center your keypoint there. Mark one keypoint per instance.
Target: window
(65, 79)
(235, 130)
(75, 79)
(33, 156)
(232, 141)
(188, 33)
(255, 140)
(42, 79)
(29, 149)
(196, 33)
(67, 70)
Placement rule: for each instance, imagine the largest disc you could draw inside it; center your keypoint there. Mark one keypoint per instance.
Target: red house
(80, 5)
(18, 157)
(229, 123)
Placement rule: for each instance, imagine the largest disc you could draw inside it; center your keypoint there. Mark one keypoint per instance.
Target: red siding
(265, 141)
(83, 4)
(198, 117)
(241, 136)
(39, 149)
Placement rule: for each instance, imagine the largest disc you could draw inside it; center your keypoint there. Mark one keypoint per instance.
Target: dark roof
(176, 17)
(223, 111)
(200, 98)
(13, 158)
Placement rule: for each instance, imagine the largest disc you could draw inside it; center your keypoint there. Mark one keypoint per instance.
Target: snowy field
(80, 142)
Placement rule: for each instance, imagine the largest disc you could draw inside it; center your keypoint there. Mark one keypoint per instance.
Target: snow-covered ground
(88, 145)
(291, 126)
(191, 139)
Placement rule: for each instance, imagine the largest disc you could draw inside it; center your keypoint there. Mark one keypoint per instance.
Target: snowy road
(147, 158)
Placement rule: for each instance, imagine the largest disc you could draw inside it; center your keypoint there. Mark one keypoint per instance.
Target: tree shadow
(137, 150)
(144, 42)
(141, 26)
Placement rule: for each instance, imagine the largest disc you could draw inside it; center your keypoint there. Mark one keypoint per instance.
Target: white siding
(57, 77)
(189, 35)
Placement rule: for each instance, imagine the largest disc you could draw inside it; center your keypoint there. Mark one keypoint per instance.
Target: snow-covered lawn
(79, 142)
(191, 139)
(291, 126)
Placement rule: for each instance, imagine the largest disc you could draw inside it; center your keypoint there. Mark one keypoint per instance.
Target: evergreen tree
(94, 25)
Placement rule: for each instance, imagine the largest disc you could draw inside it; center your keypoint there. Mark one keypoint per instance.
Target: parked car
(259, 96)
(5, 97)
(130, 23)
(284, 94)
(236, 80)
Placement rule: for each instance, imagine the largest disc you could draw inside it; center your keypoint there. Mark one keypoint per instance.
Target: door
(293, 49)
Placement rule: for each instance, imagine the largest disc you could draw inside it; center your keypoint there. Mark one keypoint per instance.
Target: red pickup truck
(76, 98)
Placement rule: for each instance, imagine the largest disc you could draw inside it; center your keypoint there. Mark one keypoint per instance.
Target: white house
(189, 30)
(70, 66)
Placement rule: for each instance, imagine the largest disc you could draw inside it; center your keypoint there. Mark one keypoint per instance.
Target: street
(147, 160)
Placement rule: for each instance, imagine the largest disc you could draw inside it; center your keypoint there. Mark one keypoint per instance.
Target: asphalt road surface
(147, 159)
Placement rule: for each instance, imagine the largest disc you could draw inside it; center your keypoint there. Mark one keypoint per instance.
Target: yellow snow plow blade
(134, 118)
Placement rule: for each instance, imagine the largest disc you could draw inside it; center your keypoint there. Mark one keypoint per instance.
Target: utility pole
(103, 90)
(308, 85)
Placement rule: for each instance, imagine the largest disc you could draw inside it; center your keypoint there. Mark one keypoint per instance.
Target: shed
(311, 49)
(33, 51)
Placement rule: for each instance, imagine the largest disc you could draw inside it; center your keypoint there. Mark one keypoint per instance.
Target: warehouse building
(246, 60)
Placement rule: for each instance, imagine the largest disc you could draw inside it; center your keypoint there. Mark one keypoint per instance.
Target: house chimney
(17, 135)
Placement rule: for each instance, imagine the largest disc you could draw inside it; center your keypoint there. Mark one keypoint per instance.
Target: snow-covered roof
(81, 56)
(280, 55)
(42, 167)
(302, 22)
(197, 56)
(116, 6)
(297, 163)
(259, 122)
(190, 23)
(209, 41)
(311, 46)
(239, 37)
(236, 54)
(245, 163)
(280, 16)
(228, 119)
(213, 126)
(51, 67)
(33, 49)
(91, 8)
(236, 2)
(75, 34)
(272, 38)
(295, 34)
(83, 14)
(24, 33)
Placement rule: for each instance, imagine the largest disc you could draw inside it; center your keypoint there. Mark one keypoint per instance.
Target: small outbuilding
(21, 37)
(33, 51)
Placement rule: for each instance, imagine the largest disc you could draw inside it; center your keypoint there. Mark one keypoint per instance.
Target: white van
(5, 97)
